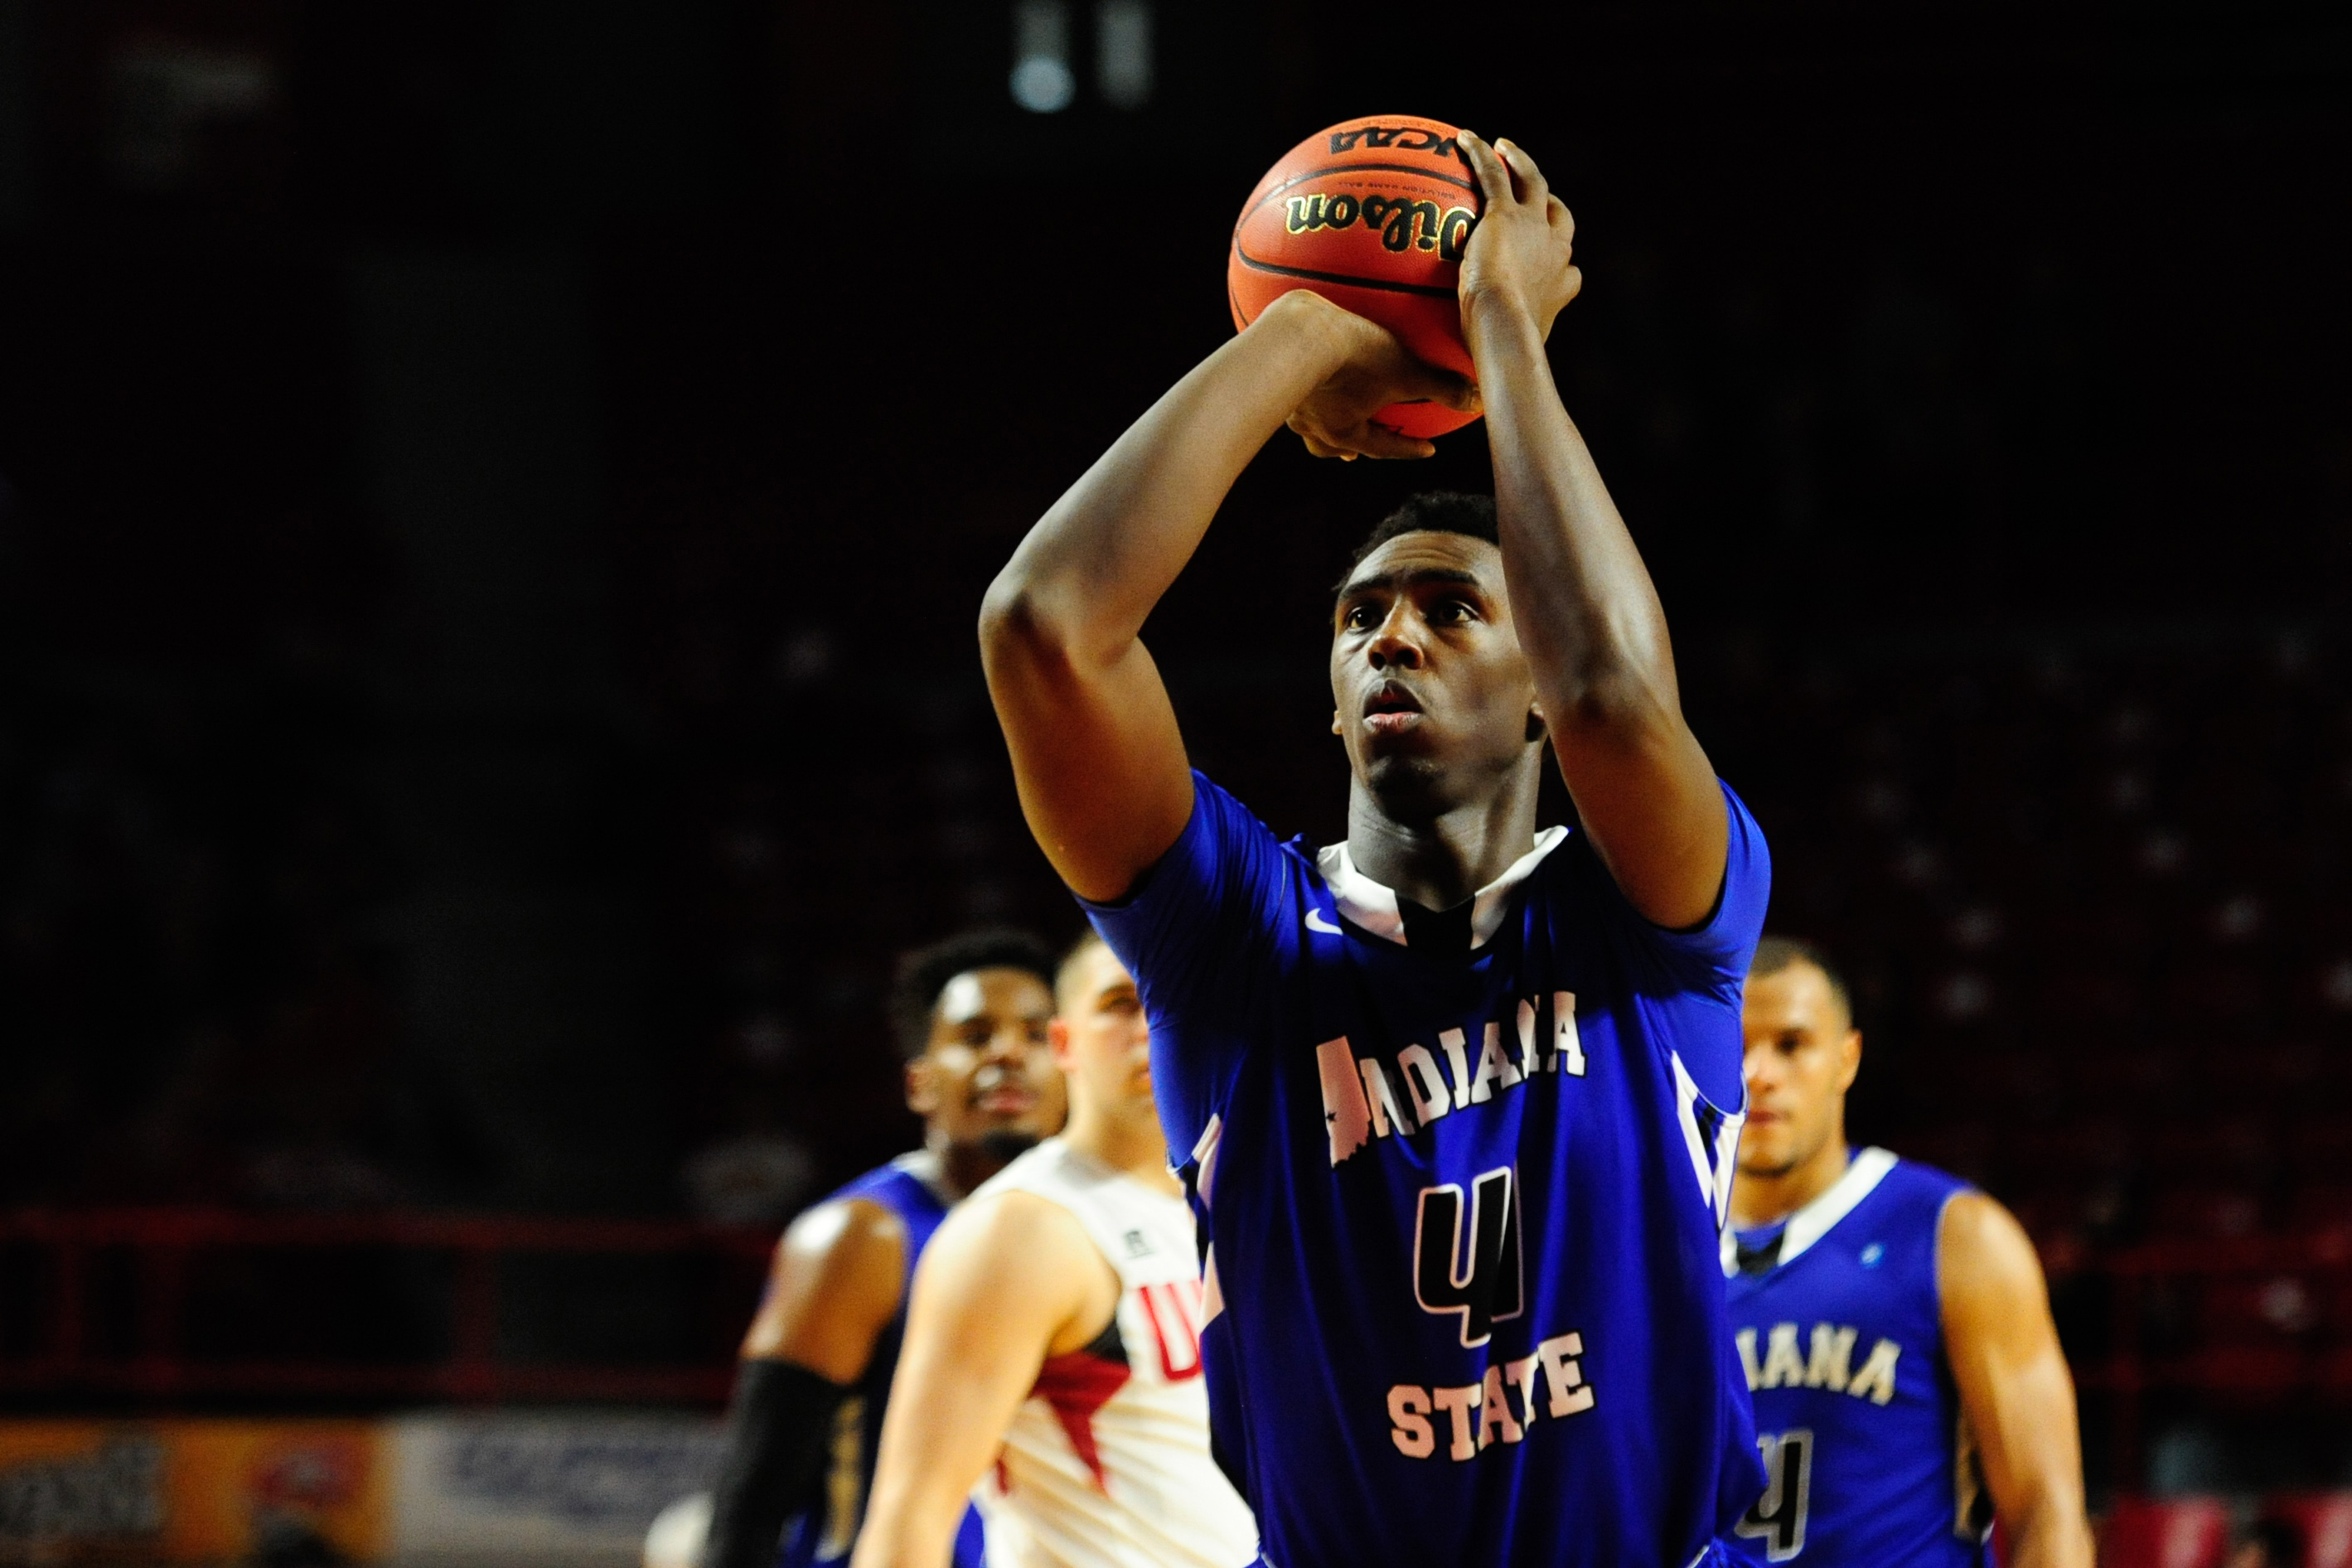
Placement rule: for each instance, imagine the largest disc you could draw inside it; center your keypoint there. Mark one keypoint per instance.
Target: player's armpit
(1008, 1280)
(832, 1288)
(2015, 1386)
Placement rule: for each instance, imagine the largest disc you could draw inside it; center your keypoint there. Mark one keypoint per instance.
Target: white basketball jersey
(1107, 1464)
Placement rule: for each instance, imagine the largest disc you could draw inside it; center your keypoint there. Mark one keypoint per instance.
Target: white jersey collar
(1812, 1222)
(1373, 908)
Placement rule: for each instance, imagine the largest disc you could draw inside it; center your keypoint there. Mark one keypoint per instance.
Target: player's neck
(1758, 1199)
(1131, 1144)
(955, 1170)
(1440, 860)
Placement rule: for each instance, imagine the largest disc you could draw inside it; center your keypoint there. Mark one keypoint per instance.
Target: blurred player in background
(1456, 1102)
(1053, 1356)
(1908, 1384)
(971, 1015)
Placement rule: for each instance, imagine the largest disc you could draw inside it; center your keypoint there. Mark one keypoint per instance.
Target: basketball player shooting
(1456, 1101)
(1893, 1322)
(1054, 1344)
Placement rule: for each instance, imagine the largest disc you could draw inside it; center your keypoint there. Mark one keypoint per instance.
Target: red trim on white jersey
(1107, 1464)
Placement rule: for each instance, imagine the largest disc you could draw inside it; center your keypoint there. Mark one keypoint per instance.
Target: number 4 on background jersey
(1779, 1517)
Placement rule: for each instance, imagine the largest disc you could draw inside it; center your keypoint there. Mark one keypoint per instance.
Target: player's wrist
(1497, 310)
(1333, 331)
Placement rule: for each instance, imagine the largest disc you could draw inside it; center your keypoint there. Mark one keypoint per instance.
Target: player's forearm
(908, 1530)
(1586, 611)
(1091, 570)
(779, 1426)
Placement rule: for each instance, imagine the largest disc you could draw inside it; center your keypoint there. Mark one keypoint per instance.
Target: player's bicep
(993, 1288)
(833, 1285)
(1096, 751)
(2011, 1374)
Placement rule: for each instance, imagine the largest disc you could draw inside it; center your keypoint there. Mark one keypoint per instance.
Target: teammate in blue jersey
(1892, 1323)
(1456, 1101)
(971, 1015)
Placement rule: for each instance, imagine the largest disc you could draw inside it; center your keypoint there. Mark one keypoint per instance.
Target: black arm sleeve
(778, 1431)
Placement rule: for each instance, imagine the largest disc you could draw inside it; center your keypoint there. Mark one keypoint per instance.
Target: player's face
(988, 1074)
(1802, 1053)
(1100, 1036)
(1434, 696)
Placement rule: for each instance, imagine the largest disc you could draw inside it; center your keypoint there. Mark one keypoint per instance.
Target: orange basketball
(1372, 215)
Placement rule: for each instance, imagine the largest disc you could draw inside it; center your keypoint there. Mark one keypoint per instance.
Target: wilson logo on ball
(1376, 215)
(1401, 222)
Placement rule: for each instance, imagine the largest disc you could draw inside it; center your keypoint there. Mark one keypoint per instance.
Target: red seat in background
(2172, 1533)
(2324, 1520)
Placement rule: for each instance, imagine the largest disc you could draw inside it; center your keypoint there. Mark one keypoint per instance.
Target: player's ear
(922, 1087)
(1535, 721)
(1849, 1059)
(1335, 723)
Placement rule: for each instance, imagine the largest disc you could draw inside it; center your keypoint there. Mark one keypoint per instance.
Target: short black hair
(1088, 940)
(923, 974)
(1775, 953)
(1430, 511)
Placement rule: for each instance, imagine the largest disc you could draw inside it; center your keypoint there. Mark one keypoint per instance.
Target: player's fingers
(1456, 392)
(1317, 445)
(1493, 177)
(1562, 220)
(1411, 380)
(1533, 187)
(1573, 285)
(1379, 441)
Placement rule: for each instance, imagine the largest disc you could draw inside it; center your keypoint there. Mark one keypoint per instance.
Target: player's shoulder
(849, 1241)
(1025, 1212)
(1226, 818)
(1917, 1177)
(1976, 1226)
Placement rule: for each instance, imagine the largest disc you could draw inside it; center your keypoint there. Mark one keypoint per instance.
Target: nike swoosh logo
(1314, 921)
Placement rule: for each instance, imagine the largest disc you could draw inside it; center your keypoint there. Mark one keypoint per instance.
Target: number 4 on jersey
(1486, 1287)
(1779, 1517)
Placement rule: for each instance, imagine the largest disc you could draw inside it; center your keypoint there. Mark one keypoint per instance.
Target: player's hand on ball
(1520, 256)
(1336, 420)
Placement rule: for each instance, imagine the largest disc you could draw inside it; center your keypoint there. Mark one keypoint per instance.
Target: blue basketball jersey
(823, 1534)
(1458, 1202)
(1867, 1455)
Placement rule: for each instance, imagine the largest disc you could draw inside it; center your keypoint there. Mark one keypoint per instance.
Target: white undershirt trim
(1373, 908)
(1813, 1221)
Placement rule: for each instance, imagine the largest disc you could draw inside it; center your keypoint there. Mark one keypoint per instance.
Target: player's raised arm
(1000, 1283)
(1101, 768)
(2013, 1384)
(1585, 609)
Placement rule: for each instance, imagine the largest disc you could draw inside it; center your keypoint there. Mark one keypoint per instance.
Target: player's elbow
(1023, 626)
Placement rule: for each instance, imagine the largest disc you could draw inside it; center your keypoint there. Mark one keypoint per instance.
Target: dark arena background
(494, 499)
